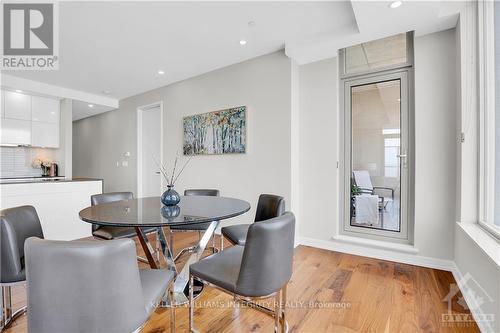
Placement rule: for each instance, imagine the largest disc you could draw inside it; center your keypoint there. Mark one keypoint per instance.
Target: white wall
(318, 149)
(474, 249)
(484, 284)
(262, 84)
(435, 143)
(435, 135)
(100, 142)
(64, 154)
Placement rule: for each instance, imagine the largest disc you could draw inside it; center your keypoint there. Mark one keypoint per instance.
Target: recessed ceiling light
(395, 4)
(243, 42)
(91, 105)
(19, 91)
(161, 72)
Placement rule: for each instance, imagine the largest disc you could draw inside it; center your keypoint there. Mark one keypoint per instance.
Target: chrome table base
(180, 292)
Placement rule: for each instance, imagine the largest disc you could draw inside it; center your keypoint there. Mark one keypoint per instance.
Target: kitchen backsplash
(16, 161)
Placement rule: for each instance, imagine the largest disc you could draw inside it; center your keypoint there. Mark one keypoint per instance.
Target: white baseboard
(378, 253)
(470, 298)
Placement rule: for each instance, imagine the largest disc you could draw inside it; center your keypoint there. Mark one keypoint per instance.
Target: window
(377, 146)
(376, 55)
(489, 115)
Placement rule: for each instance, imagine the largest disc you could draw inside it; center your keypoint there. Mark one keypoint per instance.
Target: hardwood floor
(328, 292)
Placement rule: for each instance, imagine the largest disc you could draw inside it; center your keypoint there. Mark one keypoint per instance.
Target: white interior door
(150, 152)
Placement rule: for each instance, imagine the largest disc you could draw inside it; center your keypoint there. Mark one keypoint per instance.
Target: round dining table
(150, 212)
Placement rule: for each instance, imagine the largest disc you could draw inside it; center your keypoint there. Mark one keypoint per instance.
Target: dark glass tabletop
(150, 212)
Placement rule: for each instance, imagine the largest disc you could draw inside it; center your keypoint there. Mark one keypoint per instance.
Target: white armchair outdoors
(363, 181)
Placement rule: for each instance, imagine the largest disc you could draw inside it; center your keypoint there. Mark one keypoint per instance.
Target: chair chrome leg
(6, 306)
(284, 323)
(277, 312)
(7, 316)
(191, 305)
(18, 313)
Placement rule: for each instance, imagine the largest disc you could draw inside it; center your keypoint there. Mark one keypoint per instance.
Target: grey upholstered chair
(193, 228)
(108, 232)
(16, 225)
(261, 268)
(89, 286)
(269, 206)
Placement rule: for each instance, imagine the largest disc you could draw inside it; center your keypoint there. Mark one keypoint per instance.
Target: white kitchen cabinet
(15, 132)
(44, 109)
(57, 205)
(29, 120)
(44, 134)
(17, 106)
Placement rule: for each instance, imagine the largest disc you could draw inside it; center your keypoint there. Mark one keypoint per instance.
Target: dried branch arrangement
(171, 177)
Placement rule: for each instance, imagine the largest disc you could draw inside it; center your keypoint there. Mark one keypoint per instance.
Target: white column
(467, 194)
(294, 146)
(65, 151)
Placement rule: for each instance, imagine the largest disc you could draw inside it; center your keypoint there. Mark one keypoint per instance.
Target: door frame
(407, 125)
(140, 111)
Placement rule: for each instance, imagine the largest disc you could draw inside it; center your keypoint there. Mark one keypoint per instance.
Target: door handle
(403, 157)
(157, 172)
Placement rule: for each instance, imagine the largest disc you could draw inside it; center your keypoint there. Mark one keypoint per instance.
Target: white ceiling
(120, 46)
(374, 20)
(83, 110)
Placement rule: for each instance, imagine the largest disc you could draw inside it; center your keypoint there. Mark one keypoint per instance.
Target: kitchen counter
(57, 203)
(30, 180)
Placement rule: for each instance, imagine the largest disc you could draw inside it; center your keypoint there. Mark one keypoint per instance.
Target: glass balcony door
(377, 155)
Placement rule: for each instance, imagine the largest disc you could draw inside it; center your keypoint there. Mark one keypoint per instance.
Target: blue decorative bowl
(170, 197)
